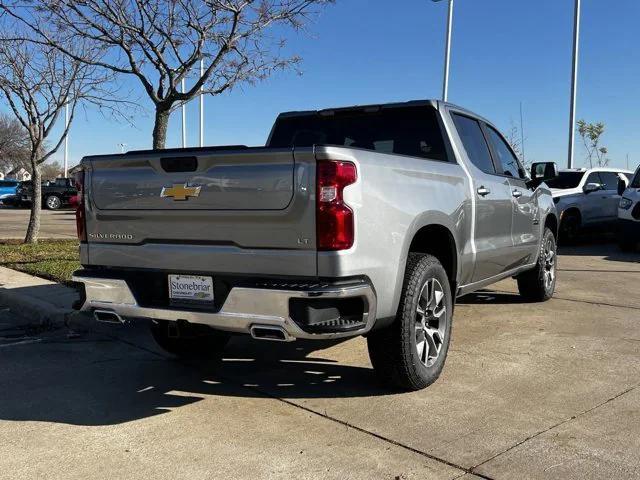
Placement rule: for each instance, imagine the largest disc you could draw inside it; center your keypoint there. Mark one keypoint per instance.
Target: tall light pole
(201, 106)
(184, 119)
(447, 51)
(66, 140)
(574, 83)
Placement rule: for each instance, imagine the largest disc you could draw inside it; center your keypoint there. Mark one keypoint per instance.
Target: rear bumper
(243, 309)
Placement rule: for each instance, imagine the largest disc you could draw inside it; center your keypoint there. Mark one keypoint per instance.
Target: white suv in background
(587, 198)
(629, 215)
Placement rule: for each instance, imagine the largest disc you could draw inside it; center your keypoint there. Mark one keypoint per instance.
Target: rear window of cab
(413, 131)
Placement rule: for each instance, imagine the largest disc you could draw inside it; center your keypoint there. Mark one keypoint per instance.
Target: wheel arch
(551, 222)
(572, 210)
(437, 240)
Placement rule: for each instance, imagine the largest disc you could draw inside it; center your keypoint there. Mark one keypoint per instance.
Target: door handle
(482, 191)
(516, 193)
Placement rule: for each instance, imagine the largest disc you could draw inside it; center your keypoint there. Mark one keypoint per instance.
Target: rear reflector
(334, 219)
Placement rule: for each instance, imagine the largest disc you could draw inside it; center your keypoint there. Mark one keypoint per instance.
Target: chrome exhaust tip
(271, 333)
(107, 316)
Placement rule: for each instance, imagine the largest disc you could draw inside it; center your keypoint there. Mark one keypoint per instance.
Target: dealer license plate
(191, 288)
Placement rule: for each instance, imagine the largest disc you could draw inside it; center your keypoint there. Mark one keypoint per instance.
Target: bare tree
(37, 81)
(14, 149)
(51, 171)
(161, 43)
(591, 134)
(514, 137)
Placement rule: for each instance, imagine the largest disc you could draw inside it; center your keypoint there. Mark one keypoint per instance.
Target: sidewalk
(36, 298)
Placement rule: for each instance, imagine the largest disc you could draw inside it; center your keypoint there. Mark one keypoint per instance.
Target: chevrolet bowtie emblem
(180, 192)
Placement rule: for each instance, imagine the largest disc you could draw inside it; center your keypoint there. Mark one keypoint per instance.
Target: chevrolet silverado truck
(367, 220)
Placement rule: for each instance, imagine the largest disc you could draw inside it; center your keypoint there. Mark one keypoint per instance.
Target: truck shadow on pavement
(600, 248)
(101, 380)
(482, 297)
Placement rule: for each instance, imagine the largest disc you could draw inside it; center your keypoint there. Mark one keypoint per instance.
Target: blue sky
(375, 51)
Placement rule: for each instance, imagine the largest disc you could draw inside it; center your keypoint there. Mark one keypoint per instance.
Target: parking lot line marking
(22, 342)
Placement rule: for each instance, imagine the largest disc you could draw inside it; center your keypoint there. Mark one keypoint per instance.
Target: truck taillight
(81, 225)
(334, 219)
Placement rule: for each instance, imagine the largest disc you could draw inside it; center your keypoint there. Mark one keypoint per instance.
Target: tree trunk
(160, 128)
(36, 204)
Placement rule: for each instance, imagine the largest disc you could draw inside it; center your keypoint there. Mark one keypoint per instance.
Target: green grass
(52, 259)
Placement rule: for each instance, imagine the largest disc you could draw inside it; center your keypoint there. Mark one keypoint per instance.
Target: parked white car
(629, 215)
(587, 198)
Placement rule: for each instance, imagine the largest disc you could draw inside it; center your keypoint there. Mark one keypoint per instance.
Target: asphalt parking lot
(53, 224)
(529, 391)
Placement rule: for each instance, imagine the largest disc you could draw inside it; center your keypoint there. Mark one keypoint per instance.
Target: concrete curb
(22, 293)
(34, 308)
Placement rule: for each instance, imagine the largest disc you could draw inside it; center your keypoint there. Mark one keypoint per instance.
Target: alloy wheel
(53, 202)
(549, 263)
(431, 322)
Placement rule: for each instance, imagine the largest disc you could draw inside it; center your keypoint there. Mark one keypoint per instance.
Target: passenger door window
(507, 161)
(594, 177)
(474, 142)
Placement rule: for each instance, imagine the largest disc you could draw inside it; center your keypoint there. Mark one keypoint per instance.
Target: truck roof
(377, 106)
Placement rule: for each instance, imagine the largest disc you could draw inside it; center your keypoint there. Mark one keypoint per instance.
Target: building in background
(20, 174)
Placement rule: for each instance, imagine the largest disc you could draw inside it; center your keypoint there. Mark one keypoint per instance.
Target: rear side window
(565, 180)
(508, 161)
(635, 183)
(474, 142)
(413, 131)
(609, 180)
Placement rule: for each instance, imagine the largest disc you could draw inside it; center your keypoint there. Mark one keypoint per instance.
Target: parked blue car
(8, 191)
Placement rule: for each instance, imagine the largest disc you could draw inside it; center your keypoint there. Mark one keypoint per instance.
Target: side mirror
(543, 171)
(591, 187)
(622, 185)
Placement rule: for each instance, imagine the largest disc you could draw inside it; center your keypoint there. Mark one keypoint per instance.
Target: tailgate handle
(179, 164)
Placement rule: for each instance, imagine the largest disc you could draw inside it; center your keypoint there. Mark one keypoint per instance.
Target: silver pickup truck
(367, 220)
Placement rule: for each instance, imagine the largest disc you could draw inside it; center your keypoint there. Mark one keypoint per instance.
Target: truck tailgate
(241, 211)
(261, 180)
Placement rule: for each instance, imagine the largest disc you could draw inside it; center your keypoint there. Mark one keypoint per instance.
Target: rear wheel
(411, 352)
(189, 340)
(53, 202)
(539, 283)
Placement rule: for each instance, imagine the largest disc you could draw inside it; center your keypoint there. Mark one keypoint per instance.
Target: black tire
(539, 283)
(395, 350)
(570, 228)
(53, 202)
(189, 340)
